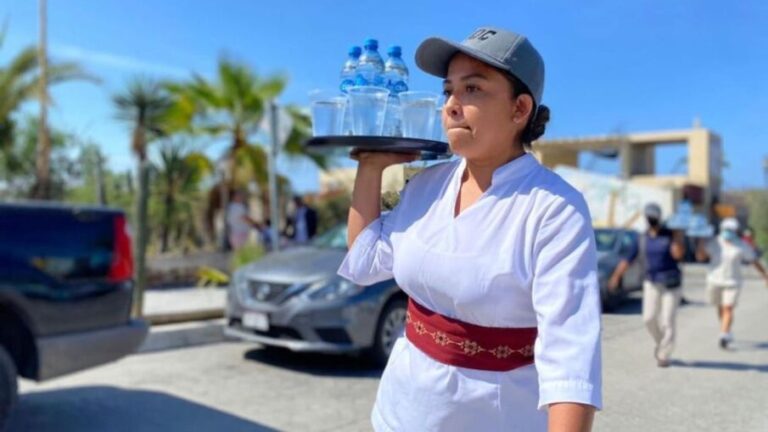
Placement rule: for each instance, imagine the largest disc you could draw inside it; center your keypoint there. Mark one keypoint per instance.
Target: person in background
(726, 253)
(265, 234)
(748, 237)
(303, 224)
(239, 224)
(660, 250)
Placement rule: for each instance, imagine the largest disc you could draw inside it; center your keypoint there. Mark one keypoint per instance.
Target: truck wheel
(8, 386)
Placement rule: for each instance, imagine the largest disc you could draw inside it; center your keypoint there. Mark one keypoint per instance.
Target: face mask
(653, 222)
(729, 235)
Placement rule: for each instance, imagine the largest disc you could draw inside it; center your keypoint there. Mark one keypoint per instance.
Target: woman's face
(480, 116)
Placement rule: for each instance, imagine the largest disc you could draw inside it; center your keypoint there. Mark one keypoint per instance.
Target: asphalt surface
(240, 387)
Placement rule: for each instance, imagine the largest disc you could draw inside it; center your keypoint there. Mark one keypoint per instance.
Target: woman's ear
(523, 109)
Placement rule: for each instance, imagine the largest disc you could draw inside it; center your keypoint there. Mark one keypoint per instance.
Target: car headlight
(336, 288)
(239, 285)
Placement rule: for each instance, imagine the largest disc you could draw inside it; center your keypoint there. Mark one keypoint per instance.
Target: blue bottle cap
(355, 51)
(395, 51)
(371, 44)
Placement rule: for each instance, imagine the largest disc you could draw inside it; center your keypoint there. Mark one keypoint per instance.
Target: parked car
(613, 245)
(65, 293)
(294, 299)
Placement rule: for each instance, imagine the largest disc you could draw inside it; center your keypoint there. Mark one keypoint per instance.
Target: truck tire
(8, 386)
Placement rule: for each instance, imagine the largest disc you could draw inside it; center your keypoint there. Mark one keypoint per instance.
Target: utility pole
(273, 196)
(765, 170)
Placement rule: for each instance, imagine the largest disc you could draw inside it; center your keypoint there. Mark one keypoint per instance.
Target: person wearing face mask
(660, 249)
(726, 253)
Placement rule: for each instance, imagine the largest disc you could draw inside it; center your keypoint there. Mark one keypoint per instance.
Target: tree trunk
(101, 185)
(141, 238)
(42, 188)
(167, 214)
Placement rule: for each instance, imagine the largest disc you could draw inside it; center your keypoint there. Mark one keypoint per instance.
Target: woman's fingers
(383, 159)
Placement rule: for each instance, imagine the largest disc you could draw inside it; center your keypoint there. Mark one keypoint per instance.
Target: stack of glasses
(415, 116)
(373, 100)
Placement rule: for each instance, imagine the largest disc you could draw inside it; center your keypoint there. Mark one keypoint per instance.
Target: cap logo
(482, 34)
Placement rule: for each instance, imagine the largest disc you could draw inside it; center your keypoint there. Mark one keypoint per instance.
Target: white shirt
(725, 260)
(523, 255)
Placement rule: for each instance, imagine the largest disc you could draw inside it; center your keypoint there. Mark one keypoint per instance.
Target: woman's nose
(452, 107)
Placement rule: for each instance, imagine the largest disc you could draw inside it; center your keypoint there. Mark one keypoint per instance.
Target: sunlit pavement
(240, 387)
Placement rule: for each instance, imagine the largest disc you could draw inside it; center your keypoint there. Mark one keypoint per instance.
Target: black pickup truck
(65, 292)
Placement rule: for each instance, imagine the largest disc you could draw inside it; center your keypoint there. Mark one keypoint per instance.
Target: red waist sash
(461, 344)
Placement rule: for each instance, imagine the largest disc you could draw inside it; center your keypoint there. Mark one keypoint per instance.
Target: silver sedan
(294, 299)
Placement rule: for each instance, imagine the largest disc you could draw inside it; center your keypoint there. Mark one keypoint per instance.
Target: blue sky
(611, 66)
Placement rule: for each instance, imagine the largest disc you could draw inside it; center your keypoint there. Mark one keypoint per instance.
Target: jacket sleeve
(566, 298)
(370, 258)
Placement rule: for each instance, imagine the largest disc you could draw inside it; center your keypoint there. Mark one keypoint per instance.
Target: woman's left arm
(566, 298)
(570, 417)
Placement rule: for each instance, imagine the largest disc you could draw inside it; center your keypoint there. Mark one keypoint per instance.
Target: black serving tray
(379, 143)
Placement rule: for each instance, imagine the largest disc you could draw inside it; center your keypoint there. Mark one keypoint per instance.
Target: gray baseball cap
(652, 210)
(505, 50)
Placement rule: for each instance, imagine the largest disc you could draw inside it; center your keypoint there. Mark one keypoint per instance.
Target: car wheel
(8, 386)
(390, 326)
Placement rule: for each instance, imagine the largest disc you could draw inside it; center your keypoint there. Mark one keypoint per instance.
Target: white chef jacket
(523, 255)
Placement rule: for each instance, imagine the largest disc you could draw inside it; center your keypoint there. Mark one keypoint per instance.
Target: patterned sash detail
(461, 344)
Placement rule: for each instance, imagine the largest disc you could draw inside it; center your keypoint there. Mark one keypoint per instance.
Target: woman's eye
(446, 93)
(472, 89)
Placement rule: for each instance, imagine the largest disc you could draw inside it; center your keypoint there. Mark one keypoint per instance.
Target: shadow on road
(740, 367)
(745, 345)
(628, 306)
(116, 410)
(332, 365)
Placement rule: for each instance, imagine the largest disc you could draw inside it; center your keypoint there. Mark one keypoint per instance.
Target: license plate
(256, 321)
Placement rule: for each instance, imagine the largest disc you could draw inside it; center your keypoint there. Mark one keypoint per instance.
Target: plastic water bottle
(395, 71)
(370, 67)
(396, 81)
(349, 71)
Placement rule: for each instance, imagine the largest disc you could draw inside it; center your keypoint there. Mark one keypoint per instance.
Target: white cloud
(114, 61)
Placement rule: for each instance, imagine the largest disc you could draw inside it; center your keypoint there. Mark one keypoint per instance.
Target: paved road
(237, 387)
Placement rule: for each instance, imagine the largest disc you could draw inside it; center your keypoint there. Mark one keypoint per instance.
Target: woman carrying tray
(496, 254)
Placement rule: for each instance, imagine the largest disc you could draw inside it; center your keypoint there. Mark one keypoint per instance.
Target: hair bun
(537, 125)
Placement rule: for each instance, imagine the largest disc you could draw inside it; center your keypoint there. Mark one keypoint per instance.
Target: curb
(182, 317)
(182, 335)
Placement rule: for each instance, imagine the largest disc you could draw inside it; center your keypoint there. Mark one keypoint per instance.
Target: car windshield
(335, 238)
(606, 240)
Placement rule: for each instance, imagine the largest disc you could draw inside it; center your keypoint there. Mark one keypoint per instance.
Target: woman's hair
(537, 123)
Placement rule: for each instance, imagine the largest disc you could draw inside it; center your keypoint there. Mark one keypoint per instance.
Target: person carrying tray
(496, 253)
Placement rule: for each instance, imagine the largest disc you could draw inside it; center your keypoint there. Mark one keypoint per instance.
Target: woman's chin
(459, 146)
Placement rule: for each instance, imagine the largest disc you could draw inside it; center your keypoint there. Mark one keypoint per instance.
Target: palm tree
(20, 79)
(144, 105)
(179, 177)
(233, 106)
(18, 158)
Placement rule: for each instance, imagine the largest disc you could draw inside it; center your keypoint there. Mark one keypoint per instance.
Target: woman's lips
(460, 128)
